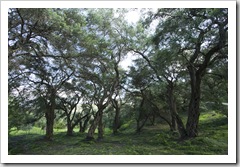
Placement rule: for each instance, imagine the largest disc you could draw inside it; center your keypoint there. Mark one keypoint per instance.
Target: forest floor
(153, 140)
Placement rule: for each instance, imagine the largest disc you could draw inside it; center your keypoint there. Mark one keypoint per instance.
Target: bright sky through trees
(133, 17)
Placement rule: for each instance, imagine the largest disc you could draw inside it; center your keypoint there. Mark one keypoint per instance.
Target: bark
(50, 115)
(172, 104)
(193, 111)
(81, 128)
(116, 105)
(49, 124)
(173, 111)
(116, 122)
(90, 135)
(176, 121)
(140, 117)
(100, 127)
(173, 128)
(93, 127)
(70, 132)
(138, 126)
(83, 124)
(69, 123)
(86, 123)
(181, 128)
(69, 128)
(158, 113)
(116, 118)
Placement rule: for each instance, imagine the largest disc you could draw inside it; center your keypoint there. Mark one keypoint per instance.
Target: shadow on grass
(153, 140)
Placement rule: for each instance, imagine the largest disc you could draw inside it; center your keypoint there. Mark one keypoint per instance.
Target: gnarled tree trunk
(142, 118)
(93, 127)
(97, 119)
(193, 111)
(181, 128)
(176, 122)
(83, 124)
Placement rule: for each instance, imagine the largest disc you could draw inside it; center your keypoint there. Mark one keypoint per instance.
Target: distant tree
(16, 114)
(69, 106)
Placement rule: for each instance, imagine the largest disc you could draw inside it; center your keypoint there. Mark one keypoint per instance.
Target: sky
(128, 61)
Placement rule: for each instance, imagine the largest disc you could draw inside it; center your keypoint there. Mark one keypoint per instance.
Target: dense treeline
(66, 68)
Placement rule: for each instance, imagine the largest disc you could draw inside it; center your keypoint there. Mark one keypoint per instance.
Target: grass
(153, 140)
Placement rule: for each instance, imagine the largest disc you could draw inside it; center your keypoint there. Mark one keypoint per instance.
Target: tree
(69, 106)
(199, 37)
(16, 114)
(40, 61)
(162, 69)
(102, 76)
(24, 39)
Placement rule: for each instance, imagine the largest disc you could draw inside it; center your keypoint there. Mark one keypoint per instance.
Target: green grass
(153, 140)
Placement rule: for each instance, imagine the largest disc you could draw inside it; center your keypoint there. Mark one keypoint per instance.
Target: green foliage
(129, 126)
(60, 124)
(40, 123)
(154, 140)
(19, 117)
(15, 116)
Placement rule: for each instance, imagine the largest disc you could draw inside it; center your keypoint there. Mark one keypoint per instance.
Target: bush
(60, 124)
(127, 125)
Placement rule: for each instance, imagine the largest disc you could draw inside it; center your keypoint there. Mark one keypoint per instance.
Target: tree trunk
(116, 121)
(152, 120)
(181, 128)
(140, 116)
(172, 104)
(157, 113)
(49, 124)
(193, 111)
(173, 127)
(83, 124)
(50, 114)
(93, 127)
(95, 124)
(69, 129)
(100, 127)
(81, 129)
(176, 122)
(139, 125)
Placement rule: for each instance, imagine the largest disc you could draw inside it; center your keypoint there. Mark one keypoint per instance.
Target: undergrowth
(153, 140)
